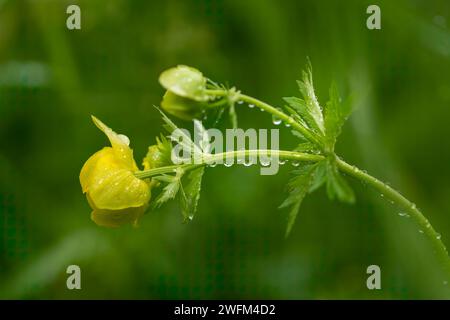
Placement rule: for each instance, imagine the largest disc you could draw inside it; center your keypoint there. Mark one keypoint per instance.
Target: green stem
(389, 193)
(407, 206)
(282, 154)
(272, 110)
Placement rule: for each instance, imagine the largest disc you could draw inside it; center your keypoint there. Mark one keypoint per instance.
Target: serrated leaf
(306, 88)
(191, 193)
(304, 110)
(335, 114)
(337, 186)
(298, 187)
(170, 190)
(320, 176)
(186, 142)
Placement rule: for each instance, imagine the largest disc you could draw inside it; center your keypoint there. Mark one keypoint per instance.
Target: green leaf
(298, 187)
(335, 114)
(311, 104)
(170, 190)
(186, 142)
(158, 155)
(303, 109)
(185, 82)
(305, 147)
(191, 193)
(337, 186)
(320, 176)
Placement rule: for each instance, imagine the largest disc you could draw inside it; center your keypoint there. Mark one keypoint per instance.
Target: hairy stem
(389, 193)
(282, 154)
(407, 206)
(272, 110)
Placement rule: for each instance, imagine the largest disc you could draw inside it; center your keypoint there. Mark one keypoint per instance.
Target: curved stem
(272, 110)
(282, 154)
(409, 207)
(389, 193)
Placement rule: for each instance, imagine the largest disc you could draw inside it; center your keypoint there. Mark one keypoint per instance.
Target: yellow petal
(115, 218)
(109, 185)
(120, 144)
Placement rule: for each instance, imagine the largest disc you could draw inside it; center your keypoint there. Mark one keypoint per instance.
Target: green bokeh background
(52, 79)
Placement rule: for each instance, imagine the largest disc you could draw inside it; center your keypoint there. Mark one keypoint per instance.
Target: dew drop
(251, 106)
(228, 164)
(240, 102)
(287, 125)
(420, 231)
(403, 214)
(438, 236)
(213, 164)
(275, 120)
(295, 163)
(264, 162)
(248, 163)
(262, 110)
(281, 162)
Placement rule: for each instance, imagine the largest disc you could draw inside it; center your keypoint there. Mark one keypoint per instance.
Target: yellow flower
(115, 195)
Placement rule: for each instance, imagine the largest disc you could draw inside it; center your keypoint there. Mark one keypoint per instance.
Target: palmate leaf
(302, 108)
(298, 187)
(337, 186)
(190, 192)
(336, 113)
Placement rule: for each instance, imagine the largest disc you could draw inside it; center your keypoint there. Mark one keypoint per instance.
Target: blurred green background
(52, 79)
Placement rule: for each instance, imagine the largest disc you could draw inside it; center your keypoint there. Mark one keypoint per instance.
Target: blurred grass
(52, 79)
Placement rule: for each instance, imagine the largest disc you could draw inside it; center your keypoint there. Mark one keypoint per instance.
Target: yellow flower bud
(115, 195)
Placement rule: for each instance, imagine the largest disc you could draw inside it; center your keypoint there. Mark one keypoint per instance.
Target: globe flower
(186, 94)
(107, 178)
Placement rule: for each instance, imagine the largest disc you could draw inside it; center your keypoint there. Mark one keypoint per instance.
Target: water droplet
(281, 162)
(264, 161)
(251, 106)
(287, 125)
(240, 102)
(240, 160)
(191, 217)
(438, 236)
(403, 214)
(248, 163)
(420, 231)
(228, 164)
(413, 206)
(213, 164)
(262, 110)
(382, 195)
(295, 163)
(276, 121)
